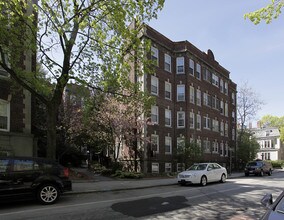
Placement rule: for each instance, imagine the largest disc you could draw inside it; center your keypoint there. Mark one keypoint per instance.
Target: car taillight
(66, 172)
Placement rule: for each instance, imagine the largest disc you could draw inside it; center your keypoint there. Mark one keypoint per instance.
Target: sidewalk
(97, 183)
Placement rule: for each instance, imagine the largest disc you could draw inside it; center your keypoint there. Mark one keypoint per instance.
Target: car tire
(261, 173)
(269, 172)
(246, 174)
(203, 181)
(223, 178)
(48, 194)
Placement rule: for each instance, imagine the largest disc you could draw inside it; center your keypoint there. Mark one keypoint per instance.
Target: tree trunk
(51, 131)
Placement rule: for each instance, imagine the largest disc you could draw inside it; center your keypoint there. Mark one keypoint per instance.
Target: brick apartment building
(195, 101)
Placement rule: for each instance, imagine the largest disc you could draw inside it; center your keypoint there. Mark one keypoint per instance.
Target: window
(226, 88)
(206, 146)
(154, 115)
(168, 167)
(222, 128)
(22, 165)
(155, 167)
(180, 144)
(233, 115)
(222, 107)
(207, 99)
(155, 143)
(215, 146)
(198, 71)
(222, 149)
(154, 85)
(191, 67)
(198, 122)
(4, 165)
(221, 85)
(226, 109)
(226, 129)
(168, 118)
(206, 122)
(191, 120)
(180, 119)
(180, 167)
(215, 80)
(155, 55)
(4, 115)
(214, 102)
(226, 150)
(191, 94)
(233, 98)
(168, 63)
(168, 145)
(207, 75)
(215, 125)
(180, 64)
(180, 93)
(168, 90)
(198, 97)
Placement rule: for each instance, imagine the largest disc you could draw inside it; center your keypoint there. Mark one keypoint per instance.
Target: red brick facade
(219, 89)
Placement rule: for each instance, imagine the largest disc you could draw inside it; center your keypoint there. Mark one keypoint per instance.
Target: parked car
(203, 173)
(275, 210)
(27, 177)
(258, 168)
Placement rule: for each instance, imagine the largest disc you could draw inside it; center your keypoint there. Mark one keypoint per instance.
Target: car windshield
(198, 167)
(280, 207)
(252, 164)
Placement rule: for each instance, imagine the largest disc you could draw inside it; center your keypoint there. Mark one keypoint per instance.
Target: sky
(251, 53)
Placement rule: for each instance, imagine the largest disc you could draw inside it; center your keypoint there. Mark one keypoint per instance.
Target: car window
(216, 166)
(210, 166)
(24, 165)
(198, 167)
(4, 165)
(252, 164)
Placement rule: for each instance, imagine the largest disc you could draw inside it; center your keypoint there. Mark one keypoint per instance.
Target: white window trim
(170, 112)
(170, 139)
(8, 114)
(180, 59)
(181, 86)
(181, 112)
(170, 63)
(168, 91)
(155, 79)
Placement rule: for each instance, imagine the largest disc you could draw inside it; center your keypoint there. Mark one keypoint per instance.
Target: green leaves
(271, 11)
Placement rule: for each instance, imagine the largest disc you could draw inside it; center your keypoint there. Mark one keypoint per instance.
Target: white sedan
(203, 173)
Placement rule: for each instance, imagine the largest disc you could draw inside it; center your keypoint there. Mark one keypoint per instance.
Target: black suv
(258, 167)
(29, 177)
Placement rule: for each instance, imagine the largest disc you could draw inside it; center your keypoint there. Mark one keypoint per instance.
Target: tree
(116, 119)
(271, 11)
(248, 105)
(247, 148)
(84, 41)
(189, 153)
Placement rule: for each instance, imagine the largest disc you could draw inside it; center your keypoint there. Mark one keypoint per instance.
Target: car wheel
(48, 194)
(261, 173)
(203, 181)
(223, 178)
(269, 172)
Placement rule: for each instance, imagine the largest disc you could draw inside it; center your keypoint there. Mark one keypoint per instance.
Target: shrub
(277, 163)
(106, 172)
(128, 175)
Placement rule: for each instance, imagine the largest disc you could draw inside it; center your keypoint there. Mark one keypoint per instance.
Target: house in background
(270, 143)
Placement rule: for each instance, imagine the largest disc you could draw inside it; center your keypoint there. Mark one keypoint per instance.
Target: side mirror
(267, 200)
